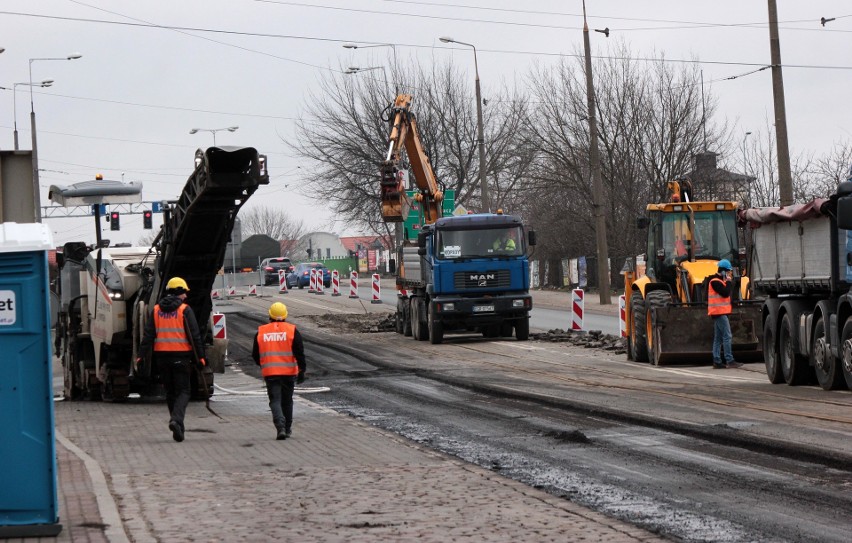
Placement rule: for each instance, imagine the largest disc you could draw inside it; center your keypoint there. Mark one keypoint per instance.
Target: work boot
(282, 434)
(288, 432)
(719, 366)
(734, 364)
(177, 431)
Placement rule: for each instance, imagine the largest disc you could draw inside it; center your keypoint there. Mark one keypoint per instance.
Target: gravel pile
(592, 339)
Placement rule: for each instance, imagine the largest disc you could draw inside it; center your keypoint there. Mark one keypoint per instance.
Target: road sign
(413, 222)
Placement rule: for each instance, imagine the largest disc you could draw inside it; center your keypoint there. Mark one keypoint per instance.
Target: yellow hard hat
(278, 311)
(177, 283)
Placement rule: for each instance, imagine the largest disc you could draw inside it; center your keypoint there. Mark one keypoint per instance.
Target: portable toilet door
(28, 477)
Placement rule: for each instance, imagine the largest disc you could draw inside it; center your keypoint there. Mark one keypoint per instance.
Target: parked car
(301, 275)
(270, 267)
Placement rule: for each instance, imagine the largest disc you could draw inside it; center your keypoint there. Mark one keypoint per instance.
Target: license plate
(483, 308)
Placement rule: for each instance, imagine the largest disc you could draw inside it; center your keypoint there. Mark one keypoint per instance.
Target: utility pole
(785, 178)
(597, 182)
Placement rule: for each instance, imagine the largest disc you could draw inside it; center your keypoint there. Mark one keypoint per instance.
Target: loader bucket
(684, 334)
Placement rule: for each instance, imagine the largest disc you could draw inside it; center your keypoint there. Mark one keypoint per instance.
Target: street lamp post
(745, 137)
(36, 191)
(213, 131)
(483, 185)
(391, 45)
(45, 83)
(356, 69)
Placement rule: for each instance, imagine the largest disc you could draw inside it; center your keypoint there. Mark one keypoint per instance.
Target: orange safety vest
(171, 334)
(275, 344)
(716, 303)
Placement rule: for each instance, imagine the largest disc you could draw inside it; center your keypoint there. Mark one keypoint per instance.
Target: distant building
(710, 183)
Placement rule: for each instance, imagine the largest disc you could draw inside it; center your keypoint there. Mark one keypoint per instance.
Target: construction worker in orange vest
(279, 351)
(719, 307)
(173, 333)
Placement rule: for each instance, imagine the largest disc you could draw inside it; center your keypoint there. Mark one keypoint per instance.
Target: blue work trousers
(722, 339)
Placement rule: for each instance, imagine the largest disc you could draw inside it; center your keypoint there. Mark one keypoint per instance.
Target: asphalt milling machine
(108, 293)
(666, 307)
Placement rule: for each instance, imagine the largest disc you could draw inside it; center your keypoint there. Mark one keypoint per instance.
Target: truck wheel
(399, 320)
(419, 328)
(522, 329)
(436, 330)
(846, 352)
(827, 368)
(406, 317)
(71, 390)
(793, 365)
(770, 352)
(638, 344)
(653, 300)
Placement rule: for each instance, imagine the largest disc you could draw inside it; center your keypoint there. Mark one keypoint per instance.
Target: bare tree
(270, 221)
(344, 133)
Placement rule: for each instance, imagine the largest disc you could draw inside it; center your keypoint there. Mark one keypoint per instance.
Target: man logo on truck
(482, 280)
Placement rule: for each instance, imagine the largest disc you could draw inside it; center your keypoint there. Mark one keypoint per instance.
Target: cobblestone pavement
(123, 478)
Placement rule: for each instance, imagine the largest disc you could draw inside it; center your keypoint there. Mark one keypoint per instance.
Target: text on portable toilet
(8, 311)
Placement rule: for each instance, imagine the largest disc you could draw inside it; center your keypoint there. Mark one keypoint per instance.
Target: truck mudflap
(684, 334)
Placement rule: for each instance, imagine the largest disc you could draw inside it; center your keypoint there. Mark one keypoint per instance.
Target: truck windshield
(714, 236)
(493, 242)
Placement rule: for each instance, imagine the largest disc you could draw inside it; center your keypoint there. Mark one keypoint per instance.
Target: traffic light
(147, 220)
(114, 221)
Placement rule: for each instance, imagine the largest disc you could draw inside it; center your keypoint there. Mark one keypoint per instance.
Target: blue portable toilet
(28, 477)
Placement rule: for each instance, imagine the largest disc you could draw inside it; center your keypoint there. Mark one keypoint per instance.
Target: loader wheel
(638, 342)
(653, 300)
(846, 352)
(827, 368)
(793, 365)
(770, 352)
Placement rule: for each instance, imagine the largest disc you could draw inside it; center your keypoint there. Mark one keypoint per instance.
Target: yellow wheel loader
(666, 307)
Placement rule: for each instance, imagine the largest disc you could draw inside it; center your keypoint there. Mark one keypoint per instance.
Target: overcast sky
(126, 107)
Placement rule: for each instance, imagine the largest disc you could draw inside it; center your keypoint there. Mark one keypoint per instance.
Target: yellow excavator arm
(404, 135)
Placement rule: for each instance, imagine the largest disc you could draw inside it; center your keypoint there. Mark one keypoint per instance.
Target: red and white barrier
(312, 281)
(282, 282)
(252, 290)
(377, 289)
(232, 290)
(335, 283)
(622, 315)
(577, 297)
(219, 330)
(353, 284)
(214, 294)
(320, 282)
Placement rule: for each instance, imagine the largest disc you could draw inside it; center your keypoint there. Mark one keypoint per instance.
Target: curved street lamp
(45, 83)
(391, 45)
(36, 191)
(483, 185)
(213, 131)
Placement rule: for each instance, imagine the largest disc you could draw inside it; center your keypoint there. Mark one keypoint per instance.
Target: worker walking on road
(279, 351)
(719, 307)
(173, 332)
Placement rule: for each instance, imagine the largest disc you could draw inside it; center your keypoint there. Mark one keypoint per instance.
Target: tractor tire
(638, 342)
(653, 300)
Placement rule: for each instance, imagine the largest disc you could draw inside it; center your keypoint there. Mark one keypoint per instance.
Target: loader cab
(678, 233)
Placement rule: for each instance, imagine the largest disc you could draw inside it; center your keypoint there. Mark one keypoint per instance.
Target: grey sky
(128, 105)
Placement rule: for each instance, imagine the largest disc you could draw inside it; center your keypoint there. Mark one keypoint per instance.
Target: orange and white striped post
(312, 281)
(353, 284)
(252, 290)
(282, 282)
(622, 315)
(320, 282)
(577, 297)
(377, 289)
(335, 283)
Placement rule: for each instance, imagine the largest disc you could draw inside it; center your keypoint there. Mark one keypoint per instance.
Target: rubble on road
(371, 323)
(591, 339)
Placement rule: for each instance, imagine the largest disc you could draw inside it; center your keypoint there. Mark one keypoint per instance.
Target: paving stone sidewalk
(122, 478)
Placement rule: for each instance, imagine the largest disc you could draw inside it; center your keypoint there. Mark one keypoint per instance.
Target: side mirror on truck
(421, 240)
(392, 266)
(531, 238)
(844, 205)
(642, 223)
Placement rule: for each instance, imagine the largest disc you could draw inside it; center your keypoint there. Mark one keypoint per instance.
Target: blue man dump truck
(467, 273)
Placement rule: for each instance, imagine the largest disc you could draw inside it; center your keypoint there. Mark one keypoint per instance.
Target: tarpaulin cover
(756, 216)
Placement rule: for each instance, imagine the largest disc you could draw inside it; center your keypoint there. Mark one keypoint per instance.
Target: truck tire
(826, 367)
(638, 342)
(419, 326)
(653, 300)
(406, 317)
(436, 330)
(522, 329)
(846, 351)
(399, 318)
(793, 365)
(770, 352)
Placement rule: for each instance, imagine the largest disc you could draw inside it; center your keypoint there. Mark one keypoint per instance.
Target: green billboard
(415, 218)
